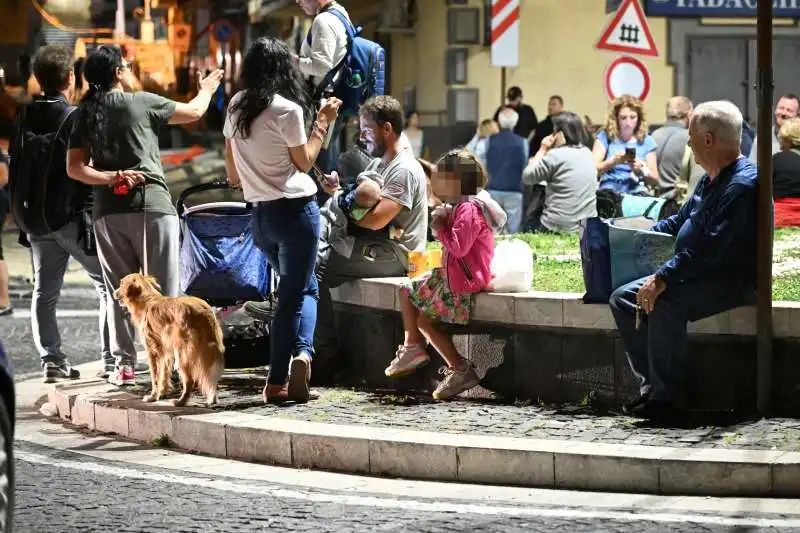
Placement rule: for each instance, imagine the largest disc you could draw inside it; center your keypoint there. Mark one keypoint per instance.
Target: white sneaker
(455, 382)
(122, 376)
(407, 359)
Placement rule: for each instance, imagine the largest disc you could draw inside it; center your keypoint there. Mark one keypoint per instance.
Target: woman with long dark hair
(269, 154)
(114, 146)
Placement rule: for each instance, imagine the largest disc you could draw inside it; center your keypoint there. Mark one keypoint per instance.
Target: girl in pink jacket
(465, 225)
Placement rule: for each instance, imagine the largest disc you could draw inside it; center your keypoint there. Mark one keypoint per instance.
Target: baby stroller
(221, 264)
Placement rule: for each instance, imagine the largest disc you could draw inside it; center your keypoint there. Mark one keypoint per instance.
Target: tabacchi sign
(718, 8)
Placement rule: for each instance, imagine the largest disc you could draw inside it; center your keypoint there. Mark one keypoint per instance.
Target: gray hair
(507, 119)
(721, 118)
(678, 108)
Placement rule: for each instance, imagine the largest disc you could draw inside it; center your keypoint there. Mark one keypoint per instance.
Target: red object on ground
(787, 212)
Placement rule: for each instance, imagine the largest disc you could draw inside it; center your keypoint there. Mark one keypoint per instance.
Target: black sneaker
(264, 311)
(630, 407)
(55, 371)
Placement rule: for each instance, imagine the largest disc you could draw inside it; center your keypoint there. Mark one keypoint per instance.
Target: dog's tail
(216, 345)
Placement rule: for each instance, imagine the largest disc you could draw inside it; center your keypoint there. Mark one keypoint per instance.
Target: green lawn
(558, 266)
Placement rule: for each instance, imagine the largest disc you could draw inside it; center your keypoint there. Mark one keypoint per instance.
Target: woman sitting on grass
(465, 225)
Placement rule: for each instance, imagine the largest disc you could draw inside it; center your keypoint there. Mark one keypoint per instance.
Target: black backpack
(42, 202)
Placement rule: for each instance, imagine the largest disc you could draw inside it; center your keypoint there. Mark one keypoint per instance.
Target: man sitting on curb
(713, 269)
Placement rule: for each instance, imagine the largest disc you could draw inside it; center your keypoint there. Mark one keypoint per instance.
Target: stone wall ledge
(566, 310)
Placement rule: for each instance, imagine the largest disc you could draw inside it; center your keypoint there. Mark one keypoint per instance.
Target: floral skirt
(431, 294)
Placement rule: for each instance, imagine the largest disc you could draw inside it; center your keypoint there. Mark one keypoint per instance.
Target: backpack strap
(63, 120)
(650, 208)
(351, 35)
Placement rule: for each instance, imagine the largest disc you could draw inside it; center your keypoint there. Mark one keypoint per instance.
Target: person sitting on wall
(624, 151)
(713, 269)
(786, 175)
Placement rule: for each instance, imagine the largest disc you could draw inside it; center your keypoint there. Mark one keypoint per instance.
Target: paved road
(65, 492)
(79, 334)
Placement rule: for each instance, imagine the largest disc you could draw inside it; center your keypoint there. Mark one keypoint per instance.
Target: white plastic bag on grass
(512, 266)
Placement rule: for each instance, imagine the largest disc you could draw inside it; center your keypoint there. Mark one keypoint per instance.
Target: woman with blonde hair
(624, 151)
(480, 142)
(786, 175)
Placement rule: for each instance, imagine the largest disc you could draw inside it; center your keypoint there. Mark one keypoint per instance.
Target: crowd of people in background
(538, 170)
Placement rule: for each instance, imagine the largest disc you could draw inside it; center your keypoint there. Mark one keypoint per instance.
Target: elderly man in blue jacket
(713, 269)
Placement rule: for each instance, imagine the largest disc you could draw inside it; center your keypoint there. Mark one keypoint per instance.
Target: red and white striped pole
(505, 33)
(505, 38)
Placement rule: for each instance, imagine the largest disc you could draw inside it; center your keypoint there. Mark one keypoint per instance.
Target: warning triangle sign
(628, 32)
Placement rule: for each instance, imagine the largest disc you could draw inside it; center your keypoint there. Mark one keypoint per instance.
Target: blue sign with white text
(718, 8)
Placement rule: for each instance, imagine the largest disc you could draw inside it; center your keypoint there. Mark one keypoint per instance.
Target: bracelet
(318, 134)
(320, 126)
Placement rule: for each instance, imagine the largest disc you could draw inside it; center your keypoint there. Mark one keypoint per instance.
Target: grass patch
(162, 441)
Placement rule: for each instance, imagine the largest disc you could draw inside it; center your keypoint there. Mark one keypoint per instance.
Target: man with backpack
(52, 209)
(338, 62)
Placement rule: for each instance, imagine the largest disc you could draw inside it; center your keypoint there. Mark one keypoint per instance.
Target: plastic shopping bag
(512, 266)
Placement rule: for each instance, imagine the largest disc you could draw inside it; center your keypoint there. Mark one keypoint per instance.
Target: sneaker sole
(407, 371)
(258, 314)
(298, 389)
(467, 386)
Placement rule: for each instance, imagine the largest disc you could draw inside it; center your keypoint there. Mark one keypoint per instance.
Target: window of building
(463, 25)
(456, 66)
(462, 105)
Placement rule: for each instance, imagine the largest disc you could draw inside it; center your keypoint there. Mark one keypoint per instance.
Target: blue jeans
(287, 231)
(511, 202)
(657, 350)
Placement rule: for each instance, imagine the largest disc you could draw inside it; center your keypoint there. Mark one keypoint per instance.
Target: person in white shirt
(269, 155)
(322, 51)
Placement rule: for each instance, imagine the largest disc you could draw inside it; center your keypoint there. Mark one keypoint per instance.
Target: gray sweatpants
(120, 247)
(51, 255)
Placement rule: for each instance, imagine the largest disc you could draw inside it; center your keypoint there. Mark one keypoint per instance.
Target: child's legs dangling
(441, 341)
(413, 336)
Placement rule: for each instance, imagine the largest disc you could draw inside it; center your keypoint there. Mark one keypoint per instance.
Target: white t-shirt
(328, 45)
(262, 160)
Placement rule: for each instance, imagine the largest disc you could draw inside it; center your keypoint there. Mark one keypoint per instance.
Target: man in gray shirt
(672, 145)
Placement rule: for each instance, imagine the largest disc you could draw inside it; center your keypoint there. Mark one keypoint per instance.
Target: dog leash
(144, 229)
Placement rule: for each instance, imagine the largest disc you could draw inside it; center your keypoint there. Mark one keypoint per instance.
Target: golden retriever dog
(183, 329)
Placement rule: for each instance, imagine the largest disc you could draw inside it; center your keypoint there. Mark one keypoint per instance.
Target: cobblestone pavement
(241, 391)
(80, 340)
(68, 493)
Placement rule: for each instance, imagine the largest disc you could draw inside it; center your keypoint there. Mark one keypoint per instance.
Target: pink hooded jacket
(468, 242)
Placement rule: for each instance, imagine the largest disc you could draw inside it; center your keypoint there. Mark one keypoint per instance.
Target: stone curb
(432, 456)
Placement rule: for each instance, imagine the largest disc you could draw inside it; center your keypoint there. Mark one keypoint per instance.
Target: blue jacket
(506, 158)
(748, 135)
(715, 229)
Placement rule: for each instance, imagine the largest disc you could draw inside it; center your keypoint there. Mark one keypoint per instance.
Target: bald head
(679, 108)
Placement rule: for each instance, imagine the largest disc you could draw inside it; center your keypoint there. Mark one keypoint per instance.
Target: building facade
(706, 51)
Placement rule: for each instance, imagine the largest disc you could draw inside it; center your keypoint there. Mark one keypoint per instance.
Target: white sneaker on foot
(407, 359)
